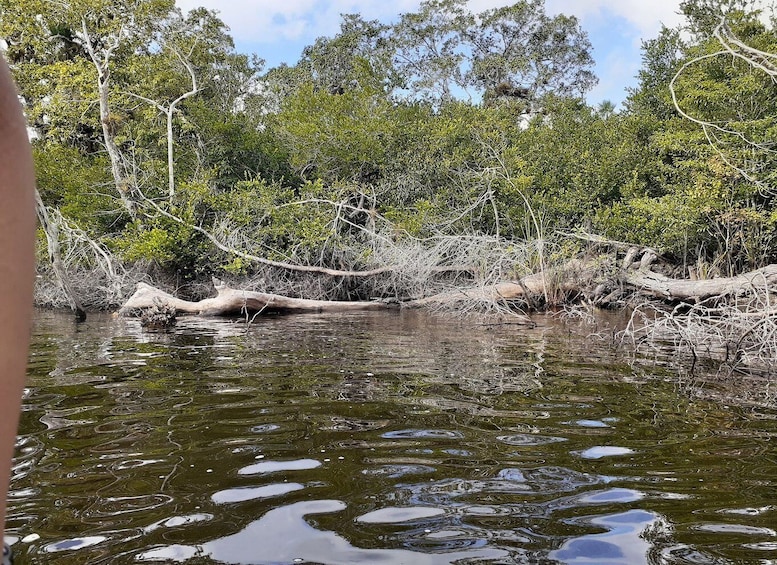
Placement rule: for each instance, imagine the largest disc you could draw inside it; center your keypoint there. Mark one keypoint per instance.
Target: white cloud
(268, 21)
(646, 17)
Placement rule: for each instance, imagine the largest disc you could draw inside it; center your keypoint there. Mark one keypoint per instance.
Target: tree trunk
(52, 239)
(101, 56)
(109, 138)
(170, 156)
(231, 301)
(170, 111)
(661, 286)
(566, 283)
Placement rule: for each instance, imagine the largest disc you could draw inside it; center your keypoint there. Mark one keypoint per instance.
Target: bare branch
(264, 260)
(714, 132)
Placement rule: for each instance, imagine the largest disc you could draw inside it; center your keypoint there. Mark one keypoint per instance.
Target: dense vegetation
(388, 144)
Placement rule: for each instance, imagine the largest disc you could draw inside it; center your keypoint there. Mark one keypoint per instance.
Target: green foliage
(170, 245)
(714, 196)
(668, 223)
(661, 59)
(237, 266)
(75, 183)
(515, 51)
(357, 57)
(148, 244)
(237, 148)
(367, 132)
(521, 46)
(412, 220)
(284, 221)
(337, 136)
(430, 48)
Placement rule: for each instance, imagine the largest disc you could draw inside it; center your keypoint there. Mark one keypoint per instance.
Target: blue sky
(278, 30)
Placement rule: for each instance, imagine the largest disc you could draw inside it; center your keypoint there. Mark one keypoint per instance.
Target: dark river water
(377, 438)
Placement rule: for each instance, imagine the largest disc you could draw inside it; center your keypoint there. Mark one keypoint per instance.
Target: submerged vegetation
(447, 150)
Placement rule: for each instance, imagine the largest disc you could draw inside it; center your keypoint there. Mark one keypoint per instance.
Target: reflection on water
(275, 466)
(376, 438)
(622, 543)
(599, 451)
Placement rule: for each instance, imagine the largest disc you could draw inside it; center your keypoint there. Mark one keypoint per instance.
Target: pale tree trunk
(233, 301)
(109, 138)
(51, 231)
(682, 290)
(101, 62)
(170, 155)
(169, 111)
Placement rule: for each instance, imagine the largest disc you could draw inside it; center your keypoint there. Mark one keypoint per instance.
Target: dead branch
(231, 301)
(93, 277)
(263, 260)
(51, 231)
(661, 286)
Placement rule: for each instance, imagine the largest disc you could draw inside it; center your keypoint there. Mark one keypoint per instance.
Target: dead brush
(739, 332)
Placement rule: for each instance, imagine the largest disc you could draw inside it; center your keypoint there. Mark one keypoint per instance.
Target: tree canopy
(154, 137)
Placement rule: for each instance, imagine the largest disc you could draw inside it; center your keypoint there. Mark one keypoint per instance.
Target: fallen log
(686, 290)
(563, 283)
(232, 301)
(576, 278)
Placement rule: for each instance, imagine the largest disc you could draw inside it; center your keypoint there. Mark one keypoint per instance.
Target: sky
(278, 30)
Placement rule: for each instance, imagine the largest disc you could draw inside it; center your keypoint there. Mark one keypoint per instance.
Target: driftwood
(231, 301)
(566, 281)
(651, 283)
(577, 279)
(574, 279)
(635, 276)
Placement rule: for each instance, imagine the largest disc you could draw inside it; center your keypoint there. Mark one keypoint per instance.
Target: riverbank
(729, 321)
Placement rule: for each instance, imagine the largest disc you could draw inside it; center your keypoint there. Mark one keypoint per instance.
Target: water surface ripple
(376, 438)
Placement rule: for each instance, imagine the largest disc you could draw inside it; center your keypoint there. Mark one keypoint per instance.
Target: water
(377, 438)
